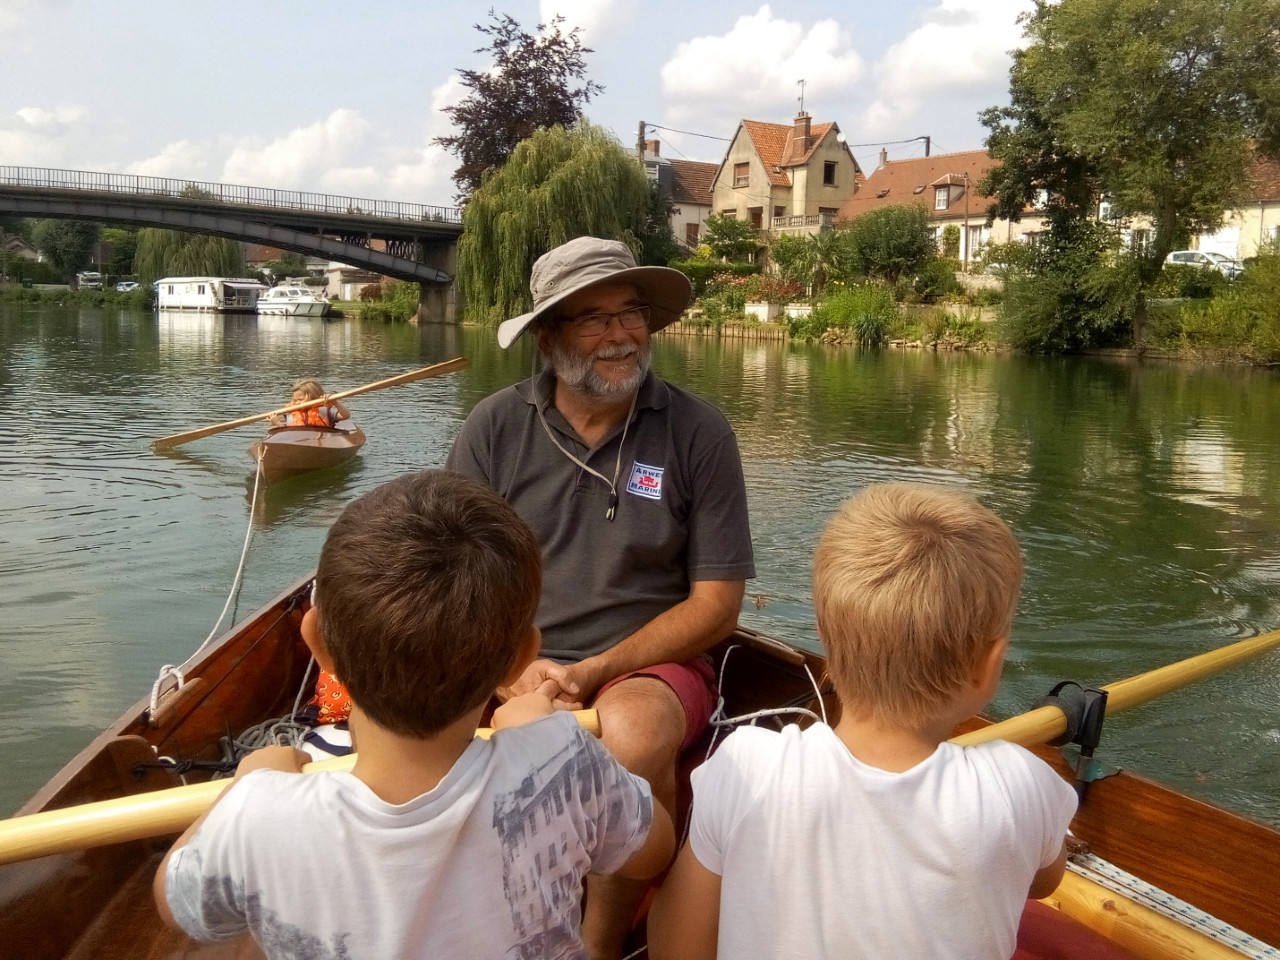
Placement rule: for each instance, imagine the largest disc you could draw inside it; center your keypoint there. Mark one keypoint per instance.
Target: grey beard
(578, 373)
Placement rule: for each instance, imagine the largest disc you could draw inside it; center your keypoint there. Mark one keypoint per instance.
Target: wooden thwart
(435, 370)
(140, 816)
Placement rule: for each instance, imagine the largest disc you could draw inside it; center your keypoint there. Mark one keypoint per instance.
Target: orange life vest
(312, 417)
(331, 699)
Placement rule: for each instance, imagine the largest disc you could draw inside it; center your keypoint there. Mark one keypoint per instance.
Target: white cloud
(58, 116)
(13, 13)
(752, 71)
(961, 48)
(183, 159)
(31, 148)
(303, 157)
(597, 19)
(448, 94)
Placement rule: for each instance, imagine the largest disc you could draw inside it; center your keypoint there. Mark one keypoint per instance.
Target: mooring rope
(169, 671)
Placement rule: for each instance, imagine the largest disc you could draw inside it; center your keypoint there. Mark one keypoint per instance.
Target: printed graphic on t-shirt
(543, 862)
(646, 481)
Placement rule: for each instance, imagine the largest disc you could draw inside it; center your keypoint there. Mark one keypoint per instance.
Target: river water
(1146, 498)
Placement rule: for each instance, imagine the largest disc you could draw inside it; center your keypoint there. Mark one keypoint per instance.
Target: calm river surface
(1146, 498)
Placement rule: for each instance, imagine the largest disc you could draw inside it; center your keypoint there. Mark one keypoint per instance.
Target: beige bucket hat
(578, 264)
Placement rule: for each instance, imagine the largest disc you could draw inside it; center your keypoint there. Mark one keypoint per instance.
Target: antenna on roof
(801, 97)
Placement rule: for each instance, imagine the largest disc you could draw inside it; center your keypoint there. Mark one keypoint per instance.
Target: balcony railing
(823, 221)
(128, 184)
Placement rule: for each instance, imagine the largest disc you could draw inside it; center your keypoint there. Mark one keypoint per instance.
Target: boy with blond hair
(437, 843)
(877, 838)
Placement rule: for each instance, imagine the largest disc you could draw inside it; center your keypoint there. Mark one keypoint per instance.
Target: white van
(89, 280)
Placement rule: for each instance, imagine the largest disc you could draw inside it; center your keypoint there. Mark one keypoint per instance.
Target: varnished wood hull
(97, 903)
(289, 451)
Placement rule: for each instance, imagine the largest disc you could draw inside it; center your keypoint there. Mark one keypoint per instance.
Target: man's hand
(284, 759)
(524, 708)
(553, 680)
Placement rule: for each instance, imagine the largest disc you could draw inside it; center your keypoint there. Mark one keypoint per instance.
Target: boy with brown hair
(437, 843)
(877, 838)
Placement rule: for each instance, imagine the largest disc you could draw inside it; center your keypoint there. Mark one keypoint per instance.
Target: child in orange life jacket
(326, 415)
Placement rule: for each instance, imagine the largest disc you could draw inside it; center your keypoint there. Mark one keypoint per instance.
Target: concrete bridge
(419, 241)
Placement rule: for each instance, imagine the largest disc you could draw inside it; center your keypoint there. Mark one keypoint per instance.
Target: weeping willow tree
(557, 185)
(168, 253)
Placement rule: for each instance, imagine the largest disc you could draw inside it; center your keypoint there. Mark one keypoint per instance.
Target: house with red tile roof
(1257, 221)
(947, 185)
(688, 183)
(786, 179)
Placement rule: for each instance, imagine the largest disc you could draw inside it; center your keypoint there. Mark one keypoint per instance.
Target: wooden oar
(425, 373)
(144, 815)
(1046, 723)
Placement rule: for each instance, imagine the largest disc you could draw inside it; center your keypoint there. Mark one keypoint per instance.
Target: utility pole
(966, 221)
(640, 141)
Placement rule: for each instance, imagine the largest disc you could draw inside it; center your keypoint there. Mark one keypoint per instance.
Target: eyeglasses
(595, 324)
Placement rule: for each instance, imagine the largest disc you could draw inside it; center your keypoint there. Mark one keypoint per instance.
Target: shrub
(934, 279)
(951, 241)
(700, 272)
(891, 241)
(866, 311)
(399, 303)
(1187, 280)
(999, 259)
(370, 291)
(770, 289)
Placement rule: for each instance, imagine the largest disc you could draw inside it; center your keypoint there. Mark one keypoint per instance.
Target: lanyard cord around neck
(617, 465)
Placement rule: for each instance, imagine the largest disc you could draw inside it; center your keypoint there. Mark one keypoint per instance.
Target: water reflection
(1145, 497)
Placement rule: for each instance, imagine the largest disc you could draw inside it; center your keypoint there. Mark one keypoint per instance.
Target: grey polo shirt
(681, 514)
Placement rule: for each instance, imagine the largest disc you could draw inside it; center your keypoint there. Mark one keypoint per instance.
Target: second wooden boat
(73, 899)
(288, 451)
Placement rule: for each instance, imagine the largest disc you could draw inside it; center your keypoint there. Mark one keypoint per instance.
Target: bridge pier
(437, 302)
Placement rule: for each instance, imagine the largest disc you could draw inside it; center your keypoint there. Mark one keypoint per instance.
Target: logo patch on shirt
(646, 481)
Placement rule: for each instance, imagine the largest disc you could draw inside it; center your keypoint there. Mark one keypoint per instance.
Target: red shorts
(693, 682)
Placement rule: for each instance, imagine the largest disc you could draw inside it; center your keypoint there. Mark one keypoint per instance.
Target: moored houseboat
(215, 294)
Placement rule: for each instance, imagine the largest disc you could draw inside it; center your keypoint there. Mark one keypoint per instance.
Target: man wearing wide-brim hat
(634, 488)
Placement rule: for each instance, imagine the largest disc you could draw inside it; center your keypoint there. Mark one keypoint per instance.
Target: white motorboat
(291, 301)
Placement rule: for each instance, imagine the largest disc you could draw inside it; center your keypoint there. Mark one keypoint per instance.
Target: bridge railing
(126, 183)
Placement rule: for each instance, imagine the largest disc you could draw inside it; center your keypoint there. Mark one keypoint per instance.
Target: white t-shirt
(822, 855)
(490, 863)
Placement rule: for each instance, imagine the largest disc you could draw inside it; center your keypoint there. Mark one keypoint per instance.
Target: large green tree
(558, 184)
(168, 253)
(730, 238)
(1156, 105)
(67, 244)
(536, 80)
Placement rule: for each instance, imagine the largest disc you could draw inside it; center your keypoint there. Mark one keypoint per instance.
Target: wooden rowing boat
(88, 903)
(288, 451)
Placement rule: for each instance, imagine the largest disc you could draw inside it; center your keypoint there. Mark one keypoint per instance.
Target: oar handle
(144, 815)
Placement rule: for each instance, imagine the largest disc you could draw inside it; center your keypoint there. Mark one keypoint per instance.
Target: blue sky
(344, 97)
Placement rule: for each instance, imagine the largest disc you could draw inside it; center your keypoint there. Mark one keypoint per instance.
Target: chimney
(800, 134)
(651, 147)
(884, 156)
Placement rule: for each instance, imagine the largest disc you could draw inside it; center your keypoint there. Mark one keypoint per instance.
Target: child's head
(913, 586)
(426, 592)
(307, 390)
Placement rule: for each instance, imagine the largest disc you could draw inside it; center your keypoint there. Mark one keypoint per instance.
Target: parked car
(125, 286)
(1228, 267)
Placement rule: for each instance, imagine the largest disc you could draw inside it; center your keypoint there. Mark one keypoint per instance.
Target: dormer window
(939, 198)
